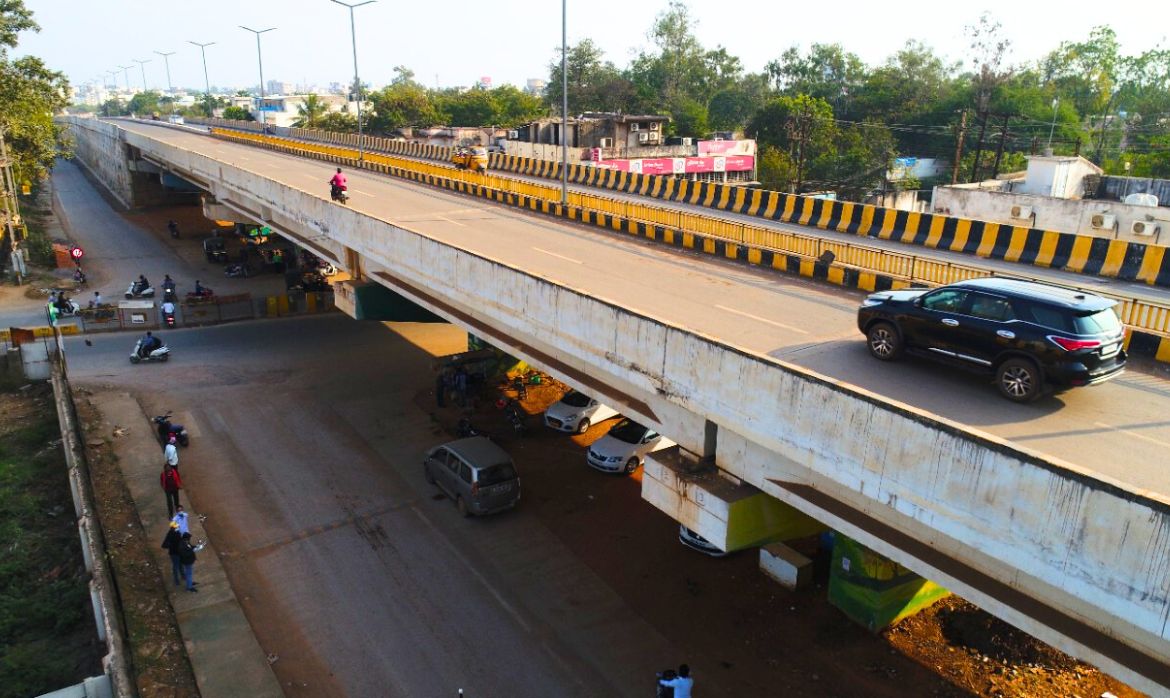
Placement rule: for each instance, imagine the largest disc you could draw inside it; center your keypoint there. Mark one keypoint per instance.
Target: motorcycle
(338, 194)
(168, 318)
(161, 353)
(79, 277)
(515, 417)
(233, 271)
(466, 429)
(132, 291)
(167, 429)
(204, 295)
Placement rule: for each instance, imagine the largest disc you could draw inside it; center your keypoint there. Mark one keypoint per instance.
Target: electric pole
(979, 146)
(999, 150)
(959, 147)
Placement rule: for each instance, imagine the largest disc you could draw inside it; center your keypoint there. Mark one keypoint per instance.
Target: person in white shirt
(171, 453)
(180, 519)
(681, 684)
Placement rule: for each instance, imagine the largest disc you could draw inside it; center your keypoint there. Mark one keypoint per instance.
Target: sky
(457, 42)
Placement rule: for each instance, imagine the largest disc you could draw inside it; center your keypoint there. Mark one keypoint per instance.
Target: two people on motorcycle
(338, 184)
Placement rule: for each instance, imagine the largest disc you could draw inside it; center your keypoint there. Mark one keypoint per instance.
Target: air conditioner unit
(653, 137)
(643, 137)
(605, 143)
(513, 135)
(1103, 221)
(635, 127)
(688, 141)
(654, 125)
(1021, 212)
(1143, 228)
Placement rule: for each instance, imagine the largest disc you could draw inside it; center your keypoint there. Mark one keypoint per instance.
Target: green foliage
(237, 114)
(43, 596)
(310, 111)
(339, 121)
(145, 103)
(30, 93)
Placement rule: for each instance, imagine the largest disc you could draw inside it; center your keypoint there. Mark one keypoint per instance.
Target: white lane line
(762, 319)
(559, 256)
(355, 191)
(1134, 434)
(451, 221)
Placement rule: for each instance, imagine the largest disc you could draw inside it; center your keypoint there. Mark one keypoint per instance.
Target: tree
(989, 51)
(341, 122)
(594, 83)
(310, 111)
(234, 113)
(828, 73)
(514, 107)
(732, 107)
(145, 103)
(402, 103)
(470, 108)
(113, 107)
(689, 118)
(30, 93)
(801, 126)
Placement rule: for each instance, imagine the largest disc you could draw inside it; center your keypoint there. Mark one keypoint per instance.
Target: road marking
(762, 319)
(559, 256)
(471, 568)
(1134, 434)
(355, 191)
(449, 220)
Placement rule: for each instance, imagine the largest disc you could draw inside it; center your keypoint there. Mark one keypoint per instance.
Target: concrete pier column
(873, 590)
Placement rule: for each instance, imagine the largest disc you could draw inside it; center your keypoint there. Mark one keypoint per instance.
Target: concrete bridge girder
(1091, 552)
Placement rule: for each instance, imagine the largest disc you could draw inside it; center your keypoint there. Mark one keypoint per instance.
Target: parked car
(696, 542)
(479, 475)
(1029, 336)
(576, 412)
(625, 447)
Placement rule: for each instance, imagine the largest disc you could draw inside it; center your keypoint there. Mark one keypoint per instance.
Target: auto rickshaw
(475, 159)
(215, 249)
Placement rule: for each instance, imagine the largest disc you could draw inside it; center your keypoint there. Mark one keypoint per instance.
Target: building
(1068, 194)
(282, 110)
(535, 86)
(634, 143)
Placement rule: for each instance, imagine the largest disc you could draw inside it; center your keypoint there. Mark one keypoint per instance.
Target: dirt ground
(744, 631)
(159, 657)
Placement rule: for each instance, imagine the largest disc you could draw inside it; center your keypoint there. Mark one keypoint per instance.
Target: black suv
(1028, 335)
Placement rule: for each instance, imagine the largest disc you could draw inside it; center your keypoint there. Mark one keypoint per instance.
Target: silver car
(576, 412)
(625, 447)
(479, 475)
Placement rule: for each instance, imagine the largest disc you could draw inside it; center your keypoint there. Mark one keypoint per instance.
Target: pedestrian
(171, 453)
(171, 484)
(187, 560)
(440, 389)
(681, 684)
(461, 386)
(180, 518)
(97, 300)
(172, 543)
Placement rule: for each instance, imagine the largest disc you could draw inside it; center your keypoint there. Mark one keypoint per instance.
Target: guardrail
(1140, 314)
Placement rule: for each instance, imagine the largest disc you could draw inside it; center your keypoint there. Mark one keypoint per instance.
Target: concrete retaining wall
(100, 147)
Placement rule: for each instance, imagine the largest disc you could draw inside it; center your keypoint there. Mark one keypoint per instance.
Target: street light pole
(142, 67)
(356, 79)
(564, 104)
(1055, 104)
(126, 74)
(171, 90)
(206, 82)
(260, 60)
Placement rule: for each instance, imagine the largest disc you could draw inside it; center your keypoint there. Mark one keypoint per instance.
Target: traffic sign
(76, 253)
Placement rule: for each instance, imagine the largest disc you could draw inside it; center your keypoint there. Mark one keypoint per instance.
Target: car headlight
(614, 459)
(871, 301)
(568, 418)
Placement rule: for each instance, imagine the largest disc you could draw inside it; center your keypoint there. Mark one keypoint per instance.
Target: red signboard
(668, 166)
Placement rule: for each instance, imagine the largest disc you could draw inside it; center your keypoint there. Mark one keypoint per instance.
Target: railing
(1140, 314)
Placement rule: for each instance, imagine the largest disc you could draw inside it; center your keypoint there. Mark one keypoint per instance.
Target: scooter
(233, 271)
(167, 429)
(133, 292)
(162, 353)
(168, 318)
(466, 429)
(513, 414)
(205, 295)
(338, 194)
(70, 311)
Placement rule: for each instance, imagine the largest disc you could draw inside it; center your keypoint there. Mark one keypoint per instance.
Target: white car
(625, 447)
(576, 412)
(696, 542)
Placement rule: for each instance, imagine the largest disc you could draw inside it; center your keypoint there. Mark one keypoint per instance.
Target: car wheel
(462, 507)
(1018, 380)
(430, 477)
(883, 341)
(134, 359)
(583, 426)
(631, 465)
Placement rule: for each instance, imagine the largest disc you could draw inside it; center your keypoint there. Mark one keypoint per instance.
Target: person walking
(97, 300)
(180, 519)
(172, 544)
(171, 453)
(187, 560)
(681, 684)
(171, 484)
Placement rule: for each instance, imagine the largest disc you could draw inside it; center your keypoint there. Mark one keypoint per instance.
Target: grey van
(479, 475)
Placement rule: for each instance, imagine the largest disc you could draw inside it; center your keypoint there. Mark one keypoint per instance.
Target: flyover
(1076, 557)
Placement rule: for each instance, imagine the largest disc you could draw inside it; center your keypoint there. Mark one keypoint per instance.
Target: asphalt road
(306, 456)
(1119, 429)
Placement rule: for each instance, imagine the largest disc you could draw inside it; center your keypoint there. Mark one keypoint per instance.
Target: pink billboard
(673, 166)
(742, 147)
